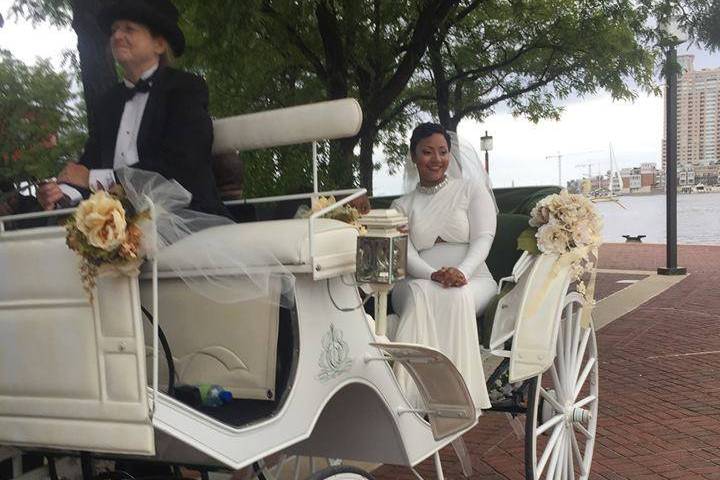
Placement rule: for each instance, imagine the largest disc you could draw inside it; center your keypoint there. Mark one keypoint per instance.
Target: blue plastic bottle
(214, 395)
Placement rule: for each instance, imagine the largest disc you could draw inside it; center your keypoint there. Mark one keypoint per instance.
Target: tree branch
(336, 67)
(296, 39)
(400, 107)
(432, 15)
(541, 82)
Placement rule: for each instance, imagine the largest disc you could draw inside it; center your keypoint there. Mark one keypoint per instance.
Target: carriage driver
(156, 119)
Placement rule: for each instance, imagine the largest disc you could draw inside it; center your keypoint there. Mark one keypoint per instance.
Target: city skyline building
(698, 136)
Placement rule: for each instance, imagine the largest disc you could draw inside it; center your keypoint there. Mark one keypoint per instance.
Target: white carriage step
(449, 406)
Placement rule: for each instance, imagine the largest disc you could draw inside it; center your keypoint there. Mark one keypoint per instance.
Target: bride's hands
(449, 277)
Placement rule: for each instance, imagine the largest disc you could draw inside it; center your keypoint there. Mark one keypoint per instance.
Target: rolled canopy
(288, 126)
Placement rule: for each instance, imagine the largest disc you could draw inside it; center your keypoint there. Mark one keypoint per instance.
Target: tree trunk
(341, 168)
(452, 123)
(367, 144)
(96, 63)
(442, 87)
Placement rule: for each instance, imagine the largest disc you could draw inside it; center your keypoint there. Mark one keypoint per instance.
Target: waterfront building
(642, 179)
(707, 174)
(698, 129)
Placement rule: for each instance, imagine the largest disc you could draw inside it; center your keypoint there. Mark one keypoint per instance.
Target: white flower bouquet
(567, 225)
(105, 233)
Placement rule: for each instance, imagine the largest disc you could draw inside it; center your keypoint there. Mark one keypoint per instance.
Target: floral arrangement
(568, 225)
(105, 232)
(344, 213)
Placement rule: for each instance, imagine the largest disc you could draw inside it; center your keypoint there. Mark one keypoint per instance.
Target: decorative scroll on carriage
(310, 379)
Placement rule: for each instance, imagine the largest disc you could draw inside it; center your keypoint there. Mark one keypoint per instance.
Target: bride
(451, 221)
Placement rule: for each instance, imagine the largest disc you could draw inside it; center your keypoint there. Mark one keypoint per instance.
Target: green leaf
(527, 241)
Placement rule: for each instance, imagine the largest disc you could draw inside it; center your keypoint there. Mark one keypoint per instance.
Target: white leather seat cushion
(286, 240)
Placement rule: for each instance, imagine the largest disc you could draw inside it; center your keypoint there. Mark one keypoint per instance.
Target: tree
(97, 67)
(699, 18)
(366, 49)
(452, 59)
(41, 127)
(530, 54)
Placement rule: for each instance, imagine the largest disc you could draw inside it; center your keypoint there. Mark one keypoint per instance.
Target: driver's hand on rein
(49, 194)
(75, 174)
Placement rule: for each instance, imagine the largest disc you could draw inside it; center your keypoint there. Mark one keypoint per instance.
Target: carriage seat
(286, 240)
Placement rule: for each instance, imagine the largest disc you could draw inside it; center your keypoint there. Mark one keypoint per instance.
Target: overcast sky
(520, 147)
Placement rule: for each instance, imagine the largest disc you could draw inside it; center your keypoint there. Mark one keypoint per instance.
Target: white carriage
(312, 381)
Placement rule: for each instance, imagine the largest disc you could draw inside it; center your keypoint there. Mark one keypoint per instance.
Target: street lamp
(486, 144)
(672, 36)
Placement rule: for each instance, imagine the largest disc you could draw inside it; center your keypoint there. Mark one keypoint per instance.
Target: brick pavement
(659, 385)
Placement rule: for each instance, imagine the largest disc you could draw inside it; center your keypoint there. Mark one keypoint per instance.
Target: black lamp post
(675, 37)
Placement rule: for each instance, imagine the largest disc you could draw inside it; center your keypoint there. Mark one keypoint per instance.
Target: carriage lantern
(382, 251)
(381, 258)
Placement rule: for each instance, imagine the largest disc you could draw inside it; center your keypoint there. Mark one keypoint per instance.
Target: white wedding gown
(453, 227)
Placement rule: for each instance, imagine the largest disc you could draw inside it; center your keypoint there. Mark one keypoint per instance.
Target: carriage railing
(351, 193)
(33, 216)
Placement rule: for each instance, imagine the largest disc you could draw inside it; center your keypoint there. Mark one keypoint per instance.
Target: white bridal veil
(187, 243)
(465, 163)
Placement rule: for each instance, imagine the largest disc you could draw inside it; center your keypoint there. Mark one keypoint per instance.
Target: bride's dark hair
(425, 130)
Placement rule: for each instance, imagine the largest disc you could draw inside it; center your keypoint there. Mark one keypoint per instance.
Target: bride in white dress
(451, 223)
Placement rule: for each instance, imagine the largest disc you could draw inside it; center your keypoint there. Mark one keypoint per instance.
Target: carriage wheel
(563, 404)
(295, 467)
(341, 473)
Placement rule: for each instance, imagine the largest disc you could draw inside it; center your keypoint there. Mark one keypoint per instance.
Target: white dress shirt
(126, 153)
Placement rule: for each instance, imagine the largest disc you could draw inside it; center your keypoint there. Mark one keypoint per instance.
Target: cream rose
(101, 219)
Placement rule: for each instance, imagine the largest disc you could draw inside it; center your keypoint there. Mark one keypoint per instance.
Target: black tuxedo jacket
(175, 136)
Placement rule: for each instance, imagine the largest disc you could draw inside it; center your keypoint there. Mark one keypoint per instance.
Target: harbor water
(698, 218)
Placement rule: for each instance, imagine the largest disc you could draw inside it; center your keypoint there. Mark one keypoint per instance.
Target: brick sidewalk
(659, 385)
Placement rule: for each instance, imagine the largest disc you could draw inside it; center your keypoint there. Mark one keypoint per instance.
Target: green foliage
(700, 19)
(530, 54)
(57, 12)
(410, 60)
(526, 54)
(42, 123)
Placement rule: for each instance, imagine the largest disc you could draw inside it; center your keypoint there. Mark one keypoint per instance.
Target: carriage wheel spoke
(583, 377)
(556, 455)
(296, 475)
(581, 352)
(567, 457)
(549, 449)
(560, 467)
(585, 401)
(583, 430)
(549, 424)
(277, 471)
(560, 389)
(576, 340)
(569, 472)
(578, 456)
(567, 337)
(561, 372)
(549, 398)
(570, 461)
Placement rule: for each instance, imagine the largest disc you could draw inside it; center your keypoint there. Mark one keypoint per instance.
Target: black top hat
(160, 15)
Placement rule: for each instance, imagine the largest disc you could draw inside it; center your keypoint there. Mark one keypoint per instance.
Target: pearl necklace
(434, 189)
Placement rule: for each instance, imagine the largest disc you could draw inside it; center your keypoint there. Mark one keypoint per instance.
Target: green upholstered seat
(521, 199)
(515, 205)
